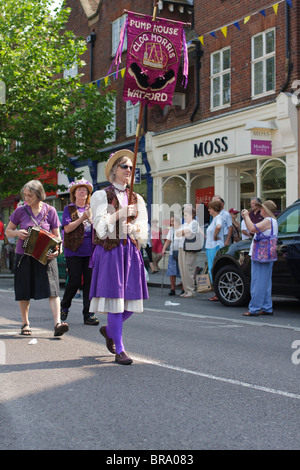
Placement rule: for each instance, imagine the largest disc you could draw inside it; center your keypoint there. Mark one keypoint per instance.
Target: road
(203, 377)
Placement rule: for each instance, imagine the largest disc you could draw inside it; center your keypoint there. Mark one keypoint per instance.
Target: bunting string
(243, 20)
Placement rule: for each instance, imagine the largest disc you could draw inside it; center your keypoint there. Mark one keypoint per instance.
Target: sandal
(25, 330)
(214, 298)
(60, 329)
(249, 314)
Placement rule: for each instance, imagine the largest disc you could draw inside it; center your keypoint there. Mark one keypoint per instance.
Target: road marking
(219, 379)
(253, 322)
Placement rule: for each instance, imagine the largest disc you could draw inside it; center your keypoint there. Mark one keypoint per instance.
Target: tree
(46, 119)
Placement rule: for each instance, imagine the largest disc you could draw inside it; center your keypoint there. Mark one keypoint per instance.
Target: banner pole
(136, 146)
(155, 10)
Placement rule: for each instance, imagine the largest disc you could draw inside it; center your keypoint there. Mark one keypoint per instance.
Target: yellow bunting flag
(106, 80)
(246, 19)
(224, 31)
(275, 8)
(201, 40)
(123, 72)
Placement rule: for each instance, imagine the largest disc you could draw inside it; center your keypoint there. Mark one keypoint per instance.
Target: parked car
(231, 269)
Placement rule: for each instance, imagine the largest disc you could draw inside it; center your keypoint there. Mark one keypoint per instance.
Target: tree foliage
(46, 119)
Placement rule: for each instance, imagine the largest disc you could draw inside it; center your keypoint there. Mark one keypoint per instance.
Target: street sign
(137, 176)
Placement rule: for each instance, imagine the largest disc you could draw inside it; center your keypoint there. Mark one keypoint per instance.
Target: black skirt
(33, 280)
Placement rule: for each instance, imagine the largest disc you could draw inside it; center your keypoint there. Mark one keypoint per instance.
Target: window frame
(134, 109)
(263, 59)
(116, 27)
(220, 75)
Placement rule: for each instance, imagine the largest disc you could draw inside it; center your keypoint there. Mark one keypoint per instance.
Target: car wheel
(232, 287)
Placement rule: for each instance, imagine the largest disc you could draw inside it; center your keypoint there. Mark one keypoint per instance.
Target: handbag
(264, 249)
(193, 244)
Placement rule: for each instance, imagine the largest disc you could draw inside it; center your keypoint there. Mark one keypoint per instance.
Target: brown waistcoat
(113, 239)
(74, 239)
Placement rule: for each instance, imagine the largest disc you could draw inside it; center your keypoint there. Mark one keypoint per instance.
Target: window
(263, 63)
(71, 72)
(115, 31)
(132, 116)
(220, 78)
(112, 126)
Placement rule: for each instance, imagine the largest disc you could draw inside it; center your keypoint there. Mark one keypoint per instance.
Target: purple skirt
(118, 273)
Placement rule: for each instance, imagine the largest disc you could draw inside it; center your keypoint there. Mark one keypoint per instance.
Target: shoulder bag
(264, 249)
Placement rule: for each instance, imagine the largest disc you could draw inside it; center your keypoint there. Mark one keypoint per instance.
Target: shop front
(238, 156)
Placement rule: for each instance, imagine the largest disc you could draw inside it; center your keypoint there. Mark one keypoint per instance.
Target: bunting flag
(153, 57)
(244, 19)
(224, 31)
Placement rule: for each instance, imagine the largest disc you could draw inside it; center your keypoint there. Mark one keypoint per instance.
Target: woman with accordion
(33, 278)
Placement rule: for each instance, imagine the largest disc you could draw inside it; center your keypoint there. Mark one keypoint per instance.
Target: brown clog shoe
(123, 359)
(109, 341)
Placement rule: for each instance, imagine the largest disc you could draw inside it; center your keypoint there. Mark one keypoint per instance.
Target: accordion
(40, 243)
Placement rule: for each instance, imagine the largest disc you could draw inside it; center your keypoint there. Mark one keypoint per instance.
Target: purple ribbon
(118, 57)
(185, 60)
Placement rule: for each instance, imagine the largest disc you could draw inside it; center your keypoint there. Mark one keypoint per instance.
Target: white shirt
(244, 227)
(175, 241)
(210, 242)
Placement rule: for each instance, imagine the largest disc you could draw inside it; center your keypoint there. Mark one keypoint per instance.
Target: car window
(289, 222)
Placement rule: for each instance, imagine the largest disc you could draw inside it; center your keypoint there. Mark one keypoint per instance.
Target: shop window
(274, 184)
(220, 81)
(115, 34)
(132, 116)
(174, 191)
(263, 63)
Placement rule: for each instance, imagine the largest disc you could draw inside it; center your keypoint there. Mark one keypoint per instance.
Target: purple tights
(115, 326)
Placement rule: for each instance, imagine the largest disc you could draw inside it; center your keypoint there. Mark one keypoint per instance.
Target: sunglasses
(125, 167)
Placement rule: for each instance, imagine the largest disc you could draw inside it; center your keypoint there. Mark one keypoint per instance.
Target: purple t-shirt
(85, 248)
(20, 218)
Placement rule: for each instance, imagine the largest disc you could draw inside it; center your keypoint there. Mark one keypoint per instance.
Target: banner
(153, 57)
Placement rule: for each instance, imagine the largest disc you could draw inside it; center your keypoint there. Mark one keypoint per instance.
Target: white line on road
(219, 379)
(253, 322)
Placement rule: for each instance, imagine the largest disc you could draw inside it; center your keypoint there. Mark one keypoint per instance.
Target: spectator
(261, 273)
(236, 229)
(148, 249)
(227, 222)
(244, 231)
(77, 226)
(214, 236)
(254, 214)
(187, 259)
(172, 241)
(157, 245)
(32, 278)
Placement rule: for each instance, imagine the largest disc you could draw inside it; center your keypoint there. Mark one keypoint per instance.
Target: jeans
(78, 268)
(261, 287)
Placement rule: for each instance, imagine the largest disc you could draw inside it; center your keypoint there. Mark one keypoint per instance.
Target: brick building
(234, 130)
